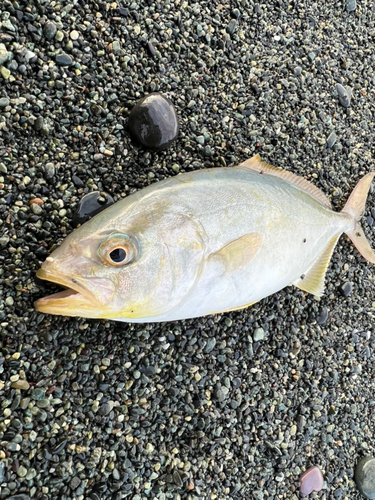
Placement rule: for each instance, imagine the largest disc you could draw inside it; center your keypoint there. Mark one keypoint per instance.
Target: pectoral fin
(313, 280)
(240, 252)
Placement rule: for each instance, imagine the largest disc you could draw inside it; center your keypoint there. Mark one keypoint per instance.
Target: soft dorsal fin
(313, 280)
(256, 164)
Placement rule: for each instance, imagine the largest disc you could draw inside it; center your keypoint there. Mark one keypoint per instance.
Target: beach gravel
(232, 406)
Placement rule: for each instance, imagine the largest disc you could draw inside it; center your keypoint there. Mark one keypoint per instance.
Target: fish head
(128, 268)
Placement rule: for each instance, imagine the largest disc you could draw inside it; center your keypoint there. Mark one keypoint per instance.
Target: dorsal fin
(313, 280)
(256, 164)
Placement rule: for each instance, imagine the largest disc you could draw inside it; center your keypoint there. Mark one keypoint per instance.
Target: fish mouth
(76, 300)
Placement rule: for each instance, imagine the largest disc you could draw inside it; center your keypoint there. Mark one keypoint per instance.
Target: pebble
(49, 30)
(351, 5)
(74, 35)
(4, 54)
(259, 334)
(343, 95)
(365, 476)
(331, 140)
(5, 73)
(153, 122)
(21, 384)
(322, 316)
(311, 480)
(64, 60)
(91, 204)
(346, 288)
(232, 26)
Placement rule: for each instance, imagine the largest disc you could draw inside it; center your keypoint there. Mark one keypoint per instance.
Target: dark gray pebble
(323, 316)
(331, 140)
(64, 60)
(153, 122)
(346, 288)
(91, 204)
(232, 26)
(49, 30)
(365, 476)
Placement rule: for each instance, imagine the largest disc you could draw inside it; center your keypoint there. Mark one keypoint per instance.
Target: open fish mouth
(74, 301)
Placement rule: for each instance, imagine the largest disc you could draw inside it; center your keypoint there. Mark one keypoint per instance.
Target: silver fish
(202, 242)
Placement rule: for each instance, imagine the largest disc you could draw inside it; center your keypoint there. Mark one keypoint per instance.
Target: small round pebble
(365, 477)
(74, 35)
(153, 122)
(311, 480)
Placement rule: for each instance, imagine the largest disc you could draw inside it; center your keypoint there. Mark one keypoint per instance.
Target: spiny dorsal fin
(256, 164)
(313, 280)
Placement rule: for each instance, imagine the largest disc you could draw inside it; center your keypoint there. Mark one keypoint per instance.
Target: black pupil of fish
(118, 255)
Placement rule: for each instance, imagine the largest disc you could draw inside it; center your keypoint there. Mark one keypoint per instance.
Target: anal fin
(313, 280)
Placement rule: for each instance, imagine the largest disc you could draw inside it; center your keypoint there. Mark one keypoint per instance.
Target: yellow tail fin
(355, 207)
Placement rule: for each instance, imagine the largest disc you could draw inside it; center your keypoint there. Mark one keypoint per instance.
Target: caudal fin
(355, 207)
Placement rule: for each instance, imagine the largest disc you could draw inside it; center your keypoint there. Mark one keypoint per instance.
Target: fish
(202, 242)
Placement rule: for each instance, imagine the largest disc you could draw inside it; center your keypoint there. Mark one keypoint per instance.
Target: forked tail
(355, 207)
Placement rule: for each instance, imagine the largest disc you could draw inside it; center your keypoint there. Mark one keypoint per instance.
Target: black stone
(153, 122)
(91, 204)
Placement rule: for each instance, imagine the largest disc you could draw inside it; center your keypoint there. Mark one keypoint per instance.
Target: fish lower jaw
(68, 303)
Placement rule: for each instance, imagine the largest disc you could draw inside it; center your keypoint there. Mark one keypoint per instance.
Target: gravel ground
(234, 406)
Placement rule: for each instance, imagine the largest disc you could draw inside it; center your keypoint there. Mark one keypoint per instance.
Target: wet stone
(311, 480)
(64, 60)
(351, 5)
(4, 101)
(370, 221)
(91, 204)
(344, 95)
(153, 122)
(365, 476)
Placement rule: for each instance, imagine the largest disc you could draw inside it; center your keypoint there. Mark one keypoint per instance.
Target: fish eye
(117, 250)
(118, 255)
